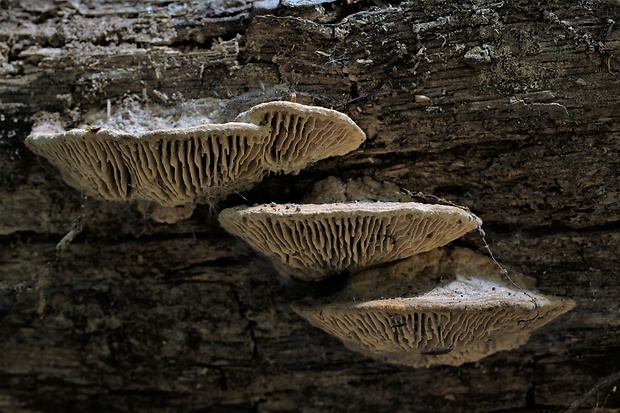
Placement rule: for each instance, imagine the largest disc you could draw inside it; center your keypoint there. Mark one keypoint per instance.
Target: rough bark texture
(523, 127)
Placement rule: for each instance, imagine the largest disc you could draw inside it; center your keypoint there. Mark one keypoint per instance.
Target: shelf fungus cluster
(441, 307)
(406, 301)
(173, 170)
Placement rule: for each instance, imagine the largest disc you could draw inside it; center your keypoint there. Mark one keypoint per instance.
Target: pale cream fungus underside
(204, 164)
(470, 313)
(313, 241)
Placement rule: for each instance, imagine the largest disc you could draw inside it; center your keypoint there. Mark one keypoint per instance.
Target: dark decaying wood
(523, 127)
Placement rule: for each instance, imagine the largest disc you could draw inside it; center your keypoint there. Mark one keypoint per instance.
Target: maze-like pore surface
(446, 306)
(168, 167)
(202, 164)
(418, 336)
(299, 134)
(315, 241)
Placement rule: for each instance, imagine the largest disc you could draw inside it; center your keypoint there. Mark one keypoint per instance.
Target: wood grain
(522, 127)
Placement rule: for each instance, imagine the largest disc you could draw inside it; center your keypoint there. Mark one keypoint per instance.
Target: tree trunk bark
(125, 314)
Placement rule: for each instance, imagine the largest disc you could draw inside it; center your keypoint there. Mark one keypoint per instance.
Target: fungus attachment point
(183, 167)
(470, 314)
(168, 215)
(366, 189)
(313, 241)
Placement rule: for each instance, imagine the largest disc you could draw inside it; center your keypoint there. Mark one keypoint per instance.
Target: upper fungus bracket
(203, 164)
(300, 134)
(169, 167)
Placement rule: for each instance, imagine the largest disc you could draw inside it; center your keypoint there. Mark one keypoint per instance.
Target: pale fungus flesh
(441, 307)
(314, 241)
(169, 167)
(299, 134)
(365, 189)
(183, 167)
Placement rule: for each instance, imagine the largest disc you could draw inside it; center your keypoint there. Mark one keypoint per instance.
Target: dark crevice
(223, 381)
(251, 330)
(316, 289)
(245, 59)
(530, 400)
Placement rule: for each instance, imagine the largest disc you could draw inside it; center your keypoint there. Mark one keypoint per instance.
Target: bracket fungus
(186, 166)
(300, 134)
(467, 315)
(169, 167)
(314, 241)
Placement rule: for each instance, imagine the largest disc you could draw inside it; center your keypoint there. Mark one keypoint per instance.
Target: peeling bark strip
(521, 126)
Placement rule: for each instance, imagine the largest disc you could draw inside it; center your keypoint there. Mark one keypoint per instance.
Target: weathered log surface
(523, 127)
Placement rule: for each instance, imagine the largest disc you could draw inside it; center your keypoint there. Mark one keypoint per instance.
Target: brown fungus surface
(313, 241)
(440, 307)
(300, 134)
